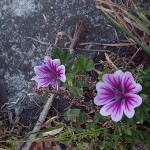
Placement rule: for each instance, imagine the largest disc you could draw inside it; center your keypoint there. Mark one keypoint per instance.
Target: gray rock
(3, 97)
(40, 19)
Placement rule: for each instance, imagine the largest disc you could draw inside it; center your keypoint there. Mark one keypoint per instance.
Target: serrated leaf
(99, 117)
(71, 114)
(64, 56)
(75, 91)
(83, 64)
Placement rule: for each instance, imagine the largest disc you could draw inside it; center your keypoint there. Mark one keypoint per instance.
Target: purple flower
(49, 73)
(117, 94)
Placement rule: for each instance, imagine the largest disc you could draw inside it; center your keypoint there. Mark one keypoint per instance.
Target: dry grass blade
(133, 23)
(140, 14)
(115, 14)
(110, 61)
(97, 71)
(41, 42)
(113, 45)
(133, 56)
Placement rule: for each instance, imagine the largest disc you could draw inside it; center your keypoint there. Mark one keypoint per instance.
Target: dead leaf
(54, 132)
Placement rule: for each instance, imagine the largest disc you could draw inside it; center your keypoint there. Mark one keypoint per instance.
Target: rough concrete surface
(40, 19)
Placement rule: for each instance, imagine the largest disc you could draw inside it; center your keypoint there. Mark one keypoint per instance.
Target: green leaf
(83, 64)
(145, 82)
(77, 130)
(71, 114)
(64, 56)
(142, 112)
(101, 75)
(75, 91)
(72, 81)
(128, 131)
(82, 117)
(99, 118)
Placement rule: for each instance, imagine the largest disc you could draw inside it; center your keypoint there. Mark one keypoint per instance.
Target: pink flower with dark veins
(117, 93)
(49, 73)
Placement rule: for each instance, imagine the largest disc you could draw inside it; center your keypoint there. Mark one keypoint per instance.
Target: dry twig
(133, 56)
(102, 44)
(43, 43)
(39, 122)
(110, 62)
(78, 32)
(97, 71)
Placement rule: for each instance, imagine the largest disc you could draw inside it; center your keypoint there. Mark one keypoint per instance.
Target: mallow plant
(117, 94)
(49, 73)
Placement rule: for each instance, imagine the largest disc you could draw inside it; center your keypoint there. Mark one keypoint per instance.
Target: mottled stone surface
(40, 19)
(2, 93)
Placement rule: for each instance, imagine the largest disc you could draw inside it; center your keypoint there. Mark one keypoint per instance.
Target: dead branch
(39, 122)
(80, 28)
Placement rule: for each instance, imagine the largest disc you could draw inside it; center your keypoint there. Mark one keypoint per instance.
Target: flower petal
(47, 59)
(114, 80)
(128, 83)
(51, 64)
(105, 94)
(138, 88)
(49, 72)
(131, 101)
(129, 112)
(99, 86)
(41, 70)
(56, 62)
(118, 72)
(114, 109)
(61, 73)
(55, 84)
(42, 80)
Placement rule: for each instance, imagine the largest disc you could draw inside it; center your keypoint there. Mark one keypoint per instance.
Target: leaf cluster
(145, 82)
(124, 134)
(74, 68)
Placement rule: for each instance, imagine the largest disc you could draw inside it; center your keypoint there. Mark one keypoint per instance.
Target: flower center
(120, 95)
